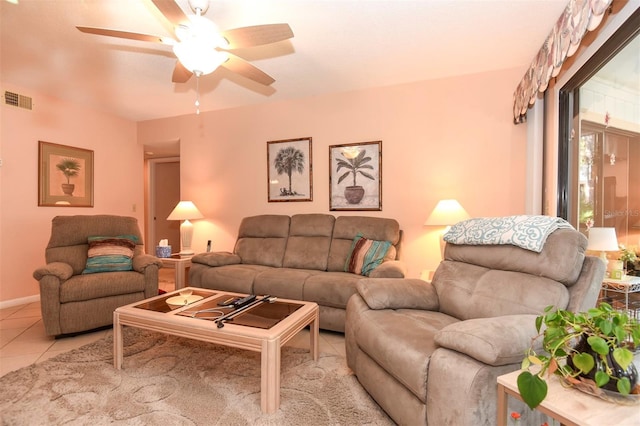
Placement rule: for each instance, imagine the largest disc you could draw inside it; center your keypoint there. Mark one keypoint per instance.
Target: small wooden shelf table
(569, 406)
(181, 265)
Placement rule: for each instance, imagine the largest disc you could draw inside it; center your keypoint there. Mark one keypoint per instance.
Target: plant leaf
(534, 360)
(539, 323)
(624, 386)
(601, 378)
(584, 362)
(367, 175)
(343, 177)
(623, 357)
(598, 344)
(620, 333)
(532, 389)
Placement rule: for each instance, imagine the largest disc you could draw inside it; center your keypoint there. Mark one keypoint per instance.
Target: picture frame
(65, 176)
(289, 170)
(355, 176)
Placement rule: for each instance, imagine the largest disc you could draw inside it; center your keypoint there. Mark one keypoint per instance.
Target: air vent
(17, 100)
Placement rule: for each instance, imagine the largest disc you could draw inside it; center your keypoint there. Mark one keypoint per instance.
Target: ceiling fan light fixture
(203, 30)
(199, 59)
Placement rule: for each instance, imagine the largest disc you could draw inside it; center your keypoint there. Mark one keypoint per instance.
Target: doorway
(164, 195)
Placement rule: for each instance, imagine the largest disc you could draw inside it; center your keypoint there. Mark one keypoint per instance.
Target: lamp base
(187, 253)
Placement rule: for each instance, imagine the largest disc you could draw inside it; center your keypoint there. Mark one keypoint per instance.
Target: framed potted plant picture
(289, 168)
(355, 176)
(65, 176)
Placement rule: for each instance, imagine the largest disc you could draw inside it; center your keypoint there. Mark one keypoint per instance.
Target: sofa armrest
(398, 293)
(141, 262)
(390, 269)
(494, 341)
(62, 271)
(217, 258)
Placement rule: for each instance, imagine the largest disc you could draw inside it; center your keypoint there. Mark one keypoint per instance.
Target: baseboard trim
(21, 301)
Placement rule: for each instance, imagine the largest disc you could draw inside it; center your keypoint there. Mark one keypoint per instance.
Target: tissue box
(163, 251)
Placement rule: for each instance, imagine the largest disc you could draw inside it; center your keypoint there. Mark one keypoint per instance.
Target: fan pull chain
(197, 94)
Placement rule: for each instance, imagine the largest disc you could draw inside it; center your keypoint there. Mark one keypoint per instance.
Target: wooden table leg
(117, 342)
(270, 376)
(502, 406)
(314, 336)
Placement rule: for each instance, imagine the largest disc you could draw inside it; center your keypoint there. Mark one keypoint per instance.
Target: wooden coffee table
(263, 328)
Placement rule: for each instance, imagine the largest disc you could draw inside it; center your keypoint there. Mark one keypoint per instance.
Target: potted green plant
(628, 257)
(354, 165)
(593, 348)
(69, 167)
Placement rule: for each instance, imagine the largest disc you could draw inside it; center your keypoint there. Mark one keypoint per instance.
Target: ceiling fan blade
(180, 73)
(124, 34)
(245, 69)
(171, 11)
(257, 35)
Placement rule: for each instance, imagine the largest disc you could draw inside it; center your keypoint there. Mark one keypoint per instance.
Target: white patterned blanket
(526, 231)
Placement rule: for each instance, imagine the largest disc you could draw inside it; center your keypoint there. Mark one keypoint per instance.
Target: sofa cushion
(365, 255)
(262, 240)
(79, 288)
(331, 289)
(347, 228)
(309, 241)
(282, 282)
(109, 254)
(468, 291)
(236, 278)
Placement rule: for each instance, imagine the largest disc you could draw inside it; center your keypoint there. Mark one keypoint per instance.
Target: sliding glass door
(599, 149)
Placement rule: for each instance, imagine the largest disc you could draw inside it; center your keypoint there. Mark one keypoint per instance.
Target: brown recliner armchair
(73, 301)
(430, 353)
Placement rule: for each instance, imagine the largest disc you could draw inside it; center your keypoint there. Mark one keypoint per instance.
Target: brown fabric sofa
(430, 353)
(73, 302)
(299, 257)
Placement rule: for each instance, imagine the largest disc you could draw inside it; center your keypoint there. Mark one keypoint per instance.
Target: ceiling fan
(200, 47)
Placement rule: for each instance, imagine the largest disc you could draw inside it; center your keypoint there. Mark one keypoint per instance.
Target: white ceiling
(339, 45)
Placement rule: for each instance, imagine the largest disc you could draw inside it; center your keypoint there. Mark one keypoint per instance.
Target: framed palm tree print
(355, 176)
(289, 170)
(65, 176)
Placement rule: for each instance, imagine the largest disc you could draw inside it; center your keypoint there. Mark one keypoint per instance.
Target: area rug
(167, 380)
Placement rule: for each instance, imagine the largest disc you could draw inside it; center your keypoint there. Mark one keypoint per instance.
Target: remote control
(244, 301)
(229, 302)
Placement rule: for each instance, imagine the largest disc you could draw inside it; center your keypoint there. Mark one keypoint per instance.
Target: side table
(624, 286)
(181, 264)
(569, 406)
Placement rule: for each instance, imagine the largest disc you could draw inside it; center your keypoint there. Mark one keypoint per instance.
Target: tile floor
(23, 341)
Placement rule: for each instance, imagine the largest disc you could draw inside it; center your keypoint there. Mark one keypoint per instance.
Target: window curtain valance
(579, 17)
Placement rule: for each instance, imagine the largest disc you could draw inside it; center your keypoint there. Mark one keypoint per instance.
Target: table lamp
(603, 240)
(185, 210)
(446, 213)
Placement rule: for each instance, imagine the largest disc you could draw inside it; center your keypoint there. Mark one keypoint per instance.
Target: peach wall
(448, 138)
(25, 227)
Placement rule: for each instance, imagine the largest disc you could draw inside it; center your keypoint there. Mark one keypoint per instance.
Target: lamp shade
(446, 213)
(603, 239)
(185, 210)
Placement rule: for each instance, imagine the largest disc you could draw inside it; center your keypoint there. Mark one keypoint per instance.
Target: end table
(627, 285)
(570, 406)
(181, 264)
